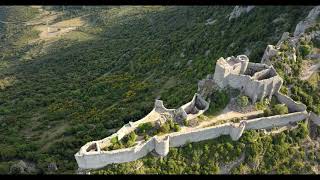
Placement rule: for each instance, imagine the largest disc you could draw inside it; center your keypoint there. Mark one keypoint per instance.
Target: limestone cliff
(238, 10)
(308, 21)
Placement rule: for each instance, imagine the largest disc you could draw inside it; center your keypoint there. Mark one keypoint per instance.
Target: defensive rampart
(98, 159)
(253, 79)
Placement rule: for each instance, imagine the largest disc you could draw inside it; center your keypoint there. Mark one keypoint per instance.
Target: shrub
(242, 101)
(144, 128)
(284, 90)
(4, 168)
(262, 105)
(130, 139)
(219, 100)
(165, 128)
(146, 137)
(280, 109)
(185, 122)
(305, 50)
(171, 123)
(176, 128)
(267, 112)
(114, 140)
(132, 136)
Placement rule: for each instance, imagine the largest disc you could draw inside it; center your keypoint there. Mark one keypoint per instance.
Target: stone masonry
(253, 79)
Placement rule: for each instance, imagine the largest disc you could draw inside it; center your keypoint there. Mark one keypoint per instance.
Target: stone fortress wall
(253, 79)
(256, 80)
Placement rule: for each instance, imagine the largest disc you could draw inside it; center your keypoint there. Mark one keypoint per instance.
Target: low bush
(144, 128)
(280, 109)
(242, 101)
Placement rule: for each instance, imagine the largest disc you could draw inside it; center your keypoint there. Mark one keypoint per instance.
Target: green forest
(80, 90)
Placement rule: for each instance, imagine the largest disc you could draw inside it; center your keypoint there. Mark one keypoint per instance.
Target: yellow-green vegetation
(126, 142)
(263, 104)
(149, 129)
(314, 80)
(145, 128)
(284, 90)
(6, 82)
(110, 78)
(278, 109)
(167, 127)
(242, 100)
(304, 91)
(273, 108)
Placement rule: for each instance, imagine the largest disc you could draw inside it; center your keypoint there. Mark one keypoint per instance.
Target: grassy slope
(80, 89)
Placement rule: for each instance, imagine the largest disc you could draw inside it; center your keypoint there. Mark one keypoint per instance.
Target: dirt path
(228, 114)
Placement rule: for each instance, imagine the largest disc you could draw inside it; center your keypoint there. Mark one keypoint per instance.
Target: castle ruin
(255, 80)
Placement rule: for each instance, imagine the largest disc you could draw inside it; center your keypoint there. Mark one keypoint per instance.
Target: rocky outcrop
(23, 167)
(285, 36)
(307, 22)
(52, 167)
(206, 86)
(180, 115)
(238, 10)
(270, 52)
(313, 56)
(314, 118)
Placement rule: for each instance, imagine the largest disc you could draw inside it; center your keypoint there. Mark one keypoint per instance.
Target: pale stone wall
(293, 106)
(314, 118)
(162, 145)
(93, 160)
(159, 107)
(274, 121)
(307, 22)
(220, 73)
(193, 105)
(255, 80)
(100, 159)
(270, 52)
(237, 130)
(256, 90)
(181, 138)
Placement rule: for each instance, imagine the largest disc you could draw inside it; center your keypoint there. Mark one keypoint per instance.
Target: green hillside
(110, 71)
